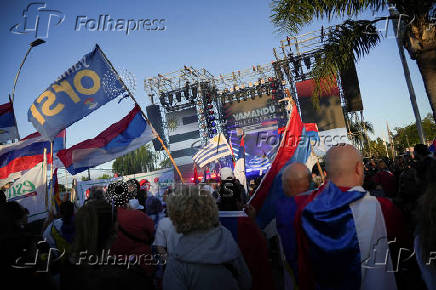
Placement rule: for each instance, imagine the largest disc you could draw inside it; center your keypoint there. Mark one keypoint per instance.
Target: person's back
(425, 240)
(253, 246)
(230, 196)
(206, 256)
(91, 266)
(135, 236)
(166, 236)
(206, 260)
(386, 180)
(60, 233)
(339, 228)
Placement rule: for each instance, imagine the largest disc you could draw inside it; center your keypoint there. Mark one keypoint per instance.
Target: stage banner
(29, 191)
(82, 89)
(258, 120)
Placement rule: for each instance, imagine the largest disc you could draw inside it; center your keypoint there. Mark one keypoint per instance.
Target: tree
(166, 163)
(353, 39)
(408, 137)
(140, 160)
(105, 176)
(359, 131)
(85, 178)
(377, 148)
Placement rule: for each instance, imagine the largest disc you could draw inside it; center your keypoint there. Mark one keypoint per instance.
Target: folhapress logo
(37, 19)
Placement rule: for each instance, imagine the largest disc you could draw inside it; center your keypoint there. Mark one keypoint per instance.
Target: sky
(221, 36)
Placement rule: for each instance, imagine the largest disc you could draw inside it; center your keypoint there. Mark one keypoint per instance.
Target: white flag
(239, 173)
(30, 191)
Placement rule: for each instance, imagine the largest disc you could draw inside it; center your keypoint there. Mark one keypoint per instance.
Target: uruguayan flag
(183, 134)
(258, 163)
(216, 147)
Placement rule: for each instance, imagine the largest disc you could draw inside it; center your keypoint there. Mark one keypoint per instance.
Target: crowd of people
(206, 237)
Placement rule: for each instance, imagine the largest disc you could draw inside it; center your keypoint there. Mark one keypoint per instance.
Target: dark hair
(426, 214)
(230, 193)
(94, 225)
(96, 192)
(421, 149)
(2, 197)
(10, 213)
(16, 209)
(142, 197)
(66, 210)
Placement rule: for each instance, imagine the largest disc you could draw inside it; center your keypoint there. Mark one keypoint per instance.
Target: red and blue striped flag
(295, 146)
(128, 134)
(8, 125)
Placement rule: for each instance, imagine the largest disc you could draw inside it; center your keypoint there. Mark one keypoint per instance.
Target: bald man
(344, 166)
(296, 179)
(343, 227)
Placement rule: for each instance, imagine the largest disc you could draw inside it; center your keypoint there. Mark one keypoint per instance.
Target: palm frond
(292, 15)
(345, 44)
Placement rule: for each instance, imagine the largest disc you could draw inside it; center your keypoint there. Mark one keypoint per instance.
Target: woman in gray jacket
(206, 256)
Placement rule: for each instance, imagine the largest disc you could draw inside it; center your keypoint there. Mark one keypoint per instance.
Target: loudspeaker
(350, 88)
(153, 114)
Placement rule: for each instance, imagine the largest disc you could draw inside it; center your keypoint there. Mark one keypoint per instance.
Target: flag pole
(51, 168)
(44, 171)
(321, 172)
(143, 114)
(15, 119)
(291, 101)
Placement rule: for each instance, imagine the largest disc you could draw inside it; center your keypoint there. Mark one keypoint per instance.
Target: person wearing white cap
(226, 173)
(134, 204)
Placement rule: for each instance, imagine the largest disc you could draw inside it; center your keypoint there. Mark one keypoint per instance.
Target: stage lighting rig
(162, 99)
(307, 63)
(170, 98)
(186, 91)
(194, 92)
(178, 96)
(278, 70)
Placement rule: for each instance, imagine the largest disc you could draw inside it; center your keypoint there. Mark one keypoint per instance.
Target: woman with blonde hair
(206, 256)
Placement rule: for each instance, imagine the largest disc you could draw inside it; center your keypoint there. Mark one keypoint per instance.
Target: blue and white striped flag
(259, 163)
(216, 148)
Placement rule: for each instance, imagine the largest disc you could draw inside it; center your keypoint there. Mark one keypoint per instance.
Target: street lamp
(32, 45)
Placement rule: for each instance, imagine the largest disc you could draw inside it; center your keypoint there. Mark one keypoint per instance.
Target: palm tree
(353, 39)
(359, 132)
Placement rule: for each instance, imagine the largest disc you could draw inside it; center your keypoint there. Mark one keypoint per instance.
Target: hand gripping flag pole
(145, 116)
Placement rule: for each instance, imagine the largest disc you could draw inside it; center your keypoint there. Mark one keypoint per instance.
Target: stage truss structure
(190, 87)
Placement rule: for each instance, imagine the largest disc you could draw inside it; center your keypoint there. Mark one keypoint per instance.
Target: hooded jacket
(207, 260)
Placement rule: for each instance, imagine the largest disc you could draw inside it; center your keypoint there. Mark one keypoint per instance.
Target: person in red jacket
(386, 180)
(135, 230)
